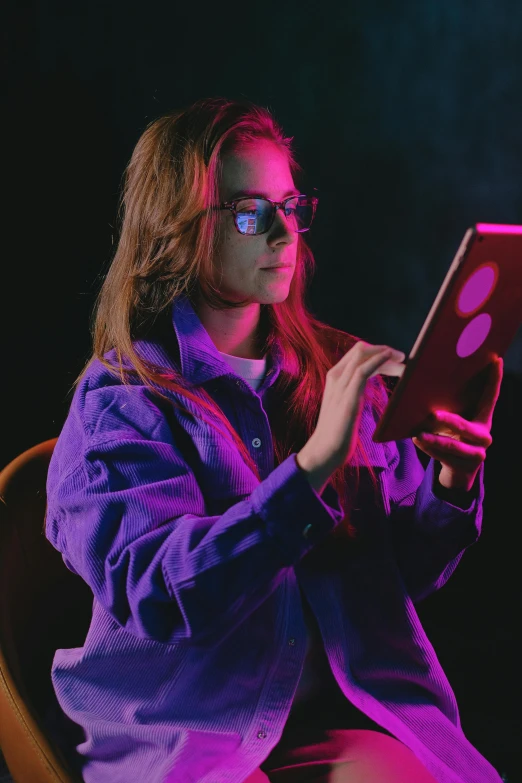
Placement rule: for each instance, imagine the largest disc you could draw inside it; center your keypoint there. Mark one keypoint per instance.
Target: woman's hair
(167, 246)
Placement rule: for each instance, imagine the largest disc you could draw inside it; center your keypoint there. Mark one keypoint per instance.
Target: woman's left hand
(458, 444)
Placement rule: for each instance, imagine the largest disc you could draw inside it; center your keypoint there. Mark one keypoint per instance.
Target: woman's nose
(281, 230)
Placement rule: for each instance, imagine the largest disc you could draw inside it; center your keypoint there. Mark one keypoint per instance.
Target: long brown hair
(167, 243)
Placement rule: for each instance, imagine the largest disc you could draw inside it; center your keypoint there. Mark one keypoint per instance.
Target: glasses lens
(300, 212)
(253, 215)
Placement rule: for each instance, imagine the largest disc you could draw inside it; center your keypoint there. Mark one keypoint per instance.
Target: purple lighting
(477, 289)
(473, 335)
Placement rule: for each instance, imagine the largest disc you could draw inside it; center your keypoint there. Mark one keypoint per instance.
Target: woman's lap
(340, 756)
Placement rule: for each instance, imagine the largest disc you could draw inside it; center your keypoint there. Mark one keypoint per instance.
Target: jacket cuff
(294, 513)
(438, 506)
(457, 497)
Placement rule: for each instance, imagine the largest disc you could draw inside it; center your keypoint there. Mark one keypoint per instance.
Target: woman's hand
(334, 440)
(458, 444)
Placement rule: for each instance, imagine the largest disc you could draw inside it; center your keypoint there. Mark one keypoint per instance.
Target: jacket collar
(199, 357)
(201, 361)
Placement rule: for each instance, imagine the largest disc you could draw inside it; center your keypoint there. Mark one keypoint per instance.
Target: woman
(254, 556)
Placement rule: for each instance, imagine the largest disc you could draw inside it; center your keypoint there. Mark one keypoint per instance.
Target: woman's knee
(348, 756)
(364, 756)
(257, 776)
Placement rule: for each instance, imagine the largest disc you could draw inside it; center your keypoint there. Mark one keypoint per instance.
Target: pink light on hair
(497, 228)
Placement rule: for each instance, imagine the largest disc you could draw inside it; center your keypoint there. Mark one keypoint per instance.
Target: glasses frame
(231, 205)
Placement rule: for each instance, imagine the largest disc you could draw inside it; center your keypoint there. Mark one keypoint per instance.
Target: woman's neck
(234, 331)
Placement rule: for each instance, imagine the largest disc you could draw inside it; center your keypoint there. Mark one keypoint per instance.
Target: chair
(43, 607)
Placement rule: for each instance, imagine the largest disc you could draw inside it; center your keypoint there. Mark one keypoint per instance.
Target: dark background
(407, 118)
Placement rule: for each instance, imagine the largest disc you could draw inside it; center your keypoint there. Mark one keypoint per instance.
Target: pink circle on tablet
(473, 335)
(477, 289)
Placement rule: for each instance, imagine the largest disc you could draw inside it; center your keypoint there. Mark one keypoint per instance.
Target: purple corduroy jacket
(197, 638)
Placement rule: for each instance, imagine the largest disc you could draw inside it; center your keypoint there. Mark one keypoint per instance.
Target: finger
(358, 355)
(360, 352)
(491, 392)
(381, 363)
(390, 367)
(449, 451)
(453, 463)
(454, 426)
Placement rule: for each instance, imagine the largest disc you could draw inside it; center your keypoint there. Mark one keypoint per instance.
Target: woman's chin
(275, 293)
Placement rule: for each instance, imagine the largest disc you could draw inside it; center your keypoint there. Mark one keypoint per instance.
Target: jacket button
(256, 443)
(261, 734)
(291, 642)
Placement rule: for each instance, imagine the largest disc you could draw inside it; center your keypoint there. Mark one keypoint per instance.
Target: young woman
(254, 557)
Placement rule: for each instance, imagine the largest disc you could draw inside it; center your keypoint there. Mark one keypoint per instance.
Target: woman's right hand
(334, 439)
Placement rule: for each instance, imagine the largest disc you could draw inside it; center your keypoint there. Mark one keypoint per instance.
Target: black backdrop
(407, 118)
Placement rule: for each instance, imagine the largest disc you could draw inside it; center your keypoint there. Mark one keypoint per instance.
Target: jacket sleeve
(429, 534)
(125, 510)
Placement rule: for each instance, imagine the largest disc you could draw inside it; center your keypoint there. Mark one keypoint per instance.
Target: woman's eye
(249, 207)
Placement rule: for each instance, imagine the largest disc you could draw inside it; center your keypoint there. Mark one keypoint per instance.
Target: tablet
(474, 318)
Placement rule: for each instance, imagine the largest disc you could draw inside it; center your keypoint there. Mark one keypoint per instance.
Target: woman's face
(260, 168)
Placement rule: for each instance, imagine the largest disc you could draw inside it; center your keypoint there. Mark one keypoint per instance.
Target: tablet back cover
(474, 318)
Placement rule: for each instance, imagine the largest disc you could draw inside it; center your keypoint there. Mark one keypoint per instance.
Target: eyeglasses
(255, 215)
